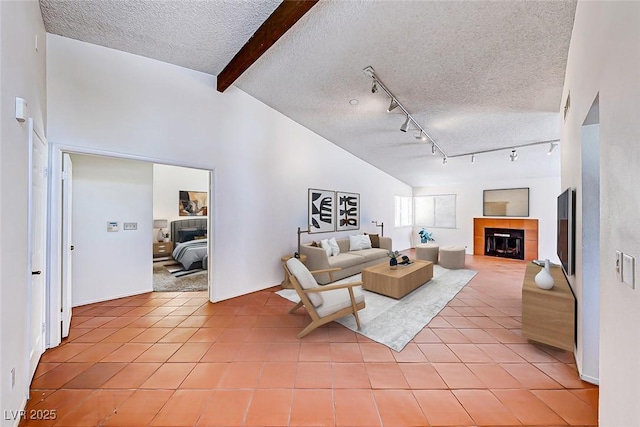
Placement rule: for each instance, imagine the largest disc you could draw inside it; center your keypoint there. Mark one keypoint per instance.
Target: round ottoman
(452, 257)
(427, 252)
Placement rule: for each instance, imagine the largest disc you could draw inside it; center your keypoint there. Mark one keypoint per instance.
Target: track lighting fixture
(473, 158)
(420, 136)
(405, 125)
(513, 156)
(444, 160)
(552, 147)
(394, 103)
(392, 106)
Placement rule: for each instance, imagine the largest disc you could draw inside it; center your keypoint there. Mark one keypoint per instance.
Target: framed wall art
(321, 210)
(192, 203)
(348, 212)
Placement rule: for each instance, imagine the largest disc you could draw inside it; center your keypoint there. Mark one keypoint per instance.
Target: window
(404, 211)
(435, 211)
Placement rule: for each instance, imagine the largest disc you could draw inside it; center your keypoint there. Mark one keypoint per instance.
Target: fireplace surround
(529, 225)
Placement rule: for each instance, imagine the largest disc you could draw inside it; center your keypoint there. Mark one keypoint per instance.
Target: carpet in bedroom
(164, 281)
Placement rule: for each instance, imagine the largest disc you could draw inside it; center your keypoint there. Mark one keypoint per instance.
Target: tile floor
(173, 359)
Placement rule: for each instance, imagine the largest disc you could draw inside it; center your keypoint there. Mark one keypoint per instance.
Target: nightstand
(162, 249)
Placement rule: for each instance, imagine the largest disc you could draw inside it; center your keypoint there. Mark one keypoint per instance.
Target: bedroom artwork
(321, 210)
(192, 203)
(348, 213)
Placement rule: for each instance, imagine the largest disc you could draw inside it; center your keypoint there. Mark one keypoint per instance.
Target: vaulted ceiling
(476, 75)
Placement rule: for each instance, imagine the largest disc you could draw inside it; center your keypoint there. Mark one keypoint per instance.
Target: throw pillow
(324, 244)
(335, 249)
(355, 243)
(365, 241)
(375, 240)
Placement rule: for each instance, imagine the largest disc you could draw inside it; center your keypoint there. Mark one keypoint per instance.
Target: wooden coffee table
(399, 282)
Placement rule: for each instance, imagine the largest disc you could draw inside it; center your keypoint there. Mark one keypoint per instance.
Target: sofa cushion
(338, 299)
(306, 280)
(345, 260)
(372, 254)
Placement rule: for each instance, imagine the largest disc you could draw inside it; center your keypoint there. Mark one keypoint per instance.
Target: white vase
(544, 279)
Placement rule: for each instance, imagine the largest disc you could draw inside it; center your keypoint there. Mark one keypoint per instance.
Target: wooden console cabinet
(548, 316)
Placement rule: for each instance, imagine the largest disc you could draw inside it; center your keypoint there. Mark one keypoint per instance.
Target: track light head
(433, 149)
(444, 161)
(473, 158)
(513, 156)
(368, 71)
(393, 105)
(374, 87)
(421, 136)
(405, 125)
(552, 147)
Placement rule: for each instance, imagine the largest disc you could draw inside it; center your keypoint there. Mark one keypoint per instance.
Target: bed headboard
(198, 226)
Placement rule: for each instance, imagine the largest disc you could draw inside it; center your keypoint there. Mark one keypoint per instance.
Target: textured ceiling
(476, 75)
(196, 34)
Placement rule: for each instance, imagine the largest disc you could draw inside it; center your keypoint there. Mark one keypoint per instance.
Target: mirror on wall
(506, 202)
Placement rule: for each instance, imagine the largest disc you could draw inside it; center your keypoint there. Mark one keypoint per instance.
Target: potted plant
(393, 259)
(425, 236)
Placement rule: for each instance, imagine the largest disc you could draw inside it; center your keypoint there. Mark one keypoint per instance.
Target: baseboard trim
(590, 379)
(112, 297)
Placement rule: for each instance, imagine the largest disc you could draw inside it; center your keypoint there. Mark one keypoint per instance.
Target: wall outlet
(130, 226)
(628, 270)
(112, 226)
(13, 378)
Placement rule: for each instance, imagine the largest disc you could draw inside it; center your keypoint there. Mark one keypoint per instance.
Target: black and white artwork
(321, 210)
(348, 213)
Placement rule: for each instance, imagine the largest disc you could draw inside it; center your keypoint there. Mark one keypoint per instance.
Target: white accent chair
(323, 303)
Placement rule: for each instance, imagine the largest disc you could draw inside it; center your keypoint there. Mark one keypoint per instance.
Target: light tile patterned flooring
(173, 359)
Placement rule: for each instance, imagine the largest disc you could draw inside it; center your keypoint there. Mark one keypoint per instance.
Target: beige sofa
(350, 262)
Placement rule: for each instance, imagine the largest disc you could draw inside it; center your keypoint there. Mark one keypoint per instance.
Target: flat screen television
(567, 230)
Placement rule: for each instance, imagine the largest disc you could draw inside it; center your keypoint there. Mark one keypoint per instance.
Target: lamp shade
(160, 223)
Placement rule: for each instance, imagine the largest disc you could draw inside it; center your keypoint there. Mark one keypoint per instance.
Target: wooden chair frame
(316, 320)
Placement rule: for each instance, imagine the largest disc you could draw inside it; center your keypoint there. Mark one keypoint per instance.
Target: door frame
(54, 260)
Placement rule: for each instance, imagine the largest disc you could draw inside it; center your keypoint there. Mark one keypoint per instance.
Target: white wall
(604, 59)
(22, 74)
(103, 99)
(543, 193)
(108, 265)
(168, 181)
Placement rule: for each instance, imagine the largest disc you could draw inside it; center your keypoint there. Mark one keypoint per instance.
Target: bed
(190, 243)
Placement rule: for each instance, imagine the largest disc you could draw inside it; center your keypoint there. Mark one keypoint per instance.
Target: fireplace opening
(504, 242)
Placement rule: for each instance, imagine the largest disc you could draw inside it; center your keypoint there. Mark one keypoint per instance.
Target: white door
(67, 243)
(37, 241)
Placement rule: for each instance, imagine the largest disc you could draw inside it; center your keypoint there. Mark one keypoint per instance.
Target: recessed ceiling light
(353, 101)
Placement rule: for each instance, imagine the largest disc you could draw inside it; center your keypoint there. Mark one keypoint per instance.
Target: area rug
(395, 322)
(165, 281)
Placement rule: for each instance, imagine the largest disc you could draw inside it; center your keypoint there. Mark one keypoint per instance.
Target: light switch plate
(628, 270)
(130, 226)
(112, 226)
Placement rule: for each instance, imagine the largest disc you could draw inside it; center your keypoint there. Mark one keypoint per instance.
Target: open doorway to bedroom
(180, 211)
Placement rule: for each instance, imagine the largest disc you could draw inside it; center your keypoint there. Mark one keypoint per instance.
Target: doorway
(127, 225)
